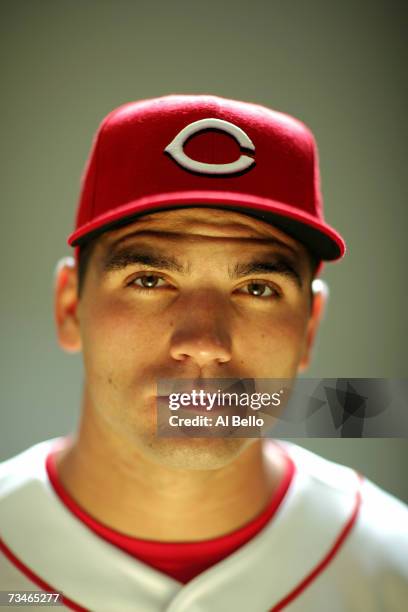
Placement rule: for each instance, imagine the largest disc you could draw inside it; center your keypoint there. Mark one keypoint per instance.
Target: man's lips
(164, 401)
(211, 386)
(204, 395)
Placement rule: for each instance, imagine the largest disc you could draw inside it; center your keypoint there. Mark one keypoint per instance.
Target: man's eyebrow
(276, 264)
(127, 256)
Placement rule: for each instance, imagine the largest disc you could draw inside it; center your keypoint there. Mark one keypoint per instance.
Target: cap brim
(320, 238)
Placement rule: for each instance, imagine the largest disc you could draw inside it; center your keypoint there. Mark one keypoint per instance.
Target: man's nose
(201, 333)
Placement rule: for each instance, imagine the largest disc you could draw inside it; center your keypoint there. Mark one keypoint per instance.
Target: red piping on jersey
(37, 580)
(320, 567)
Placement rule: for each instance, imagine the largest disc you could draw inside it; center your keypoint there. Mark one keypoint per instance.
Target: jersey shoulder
(26, 466)
(381, 525)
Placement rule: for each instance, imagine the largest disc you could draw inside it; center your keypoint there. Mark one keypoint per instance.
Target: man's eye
(148, 281)
(258, 289)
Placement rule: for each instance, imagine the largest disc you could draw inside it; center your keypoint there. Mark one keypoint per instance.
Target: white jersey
(337, 542)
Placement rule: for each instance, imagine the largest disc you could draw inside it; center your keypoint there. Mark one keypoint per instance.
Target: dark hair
(84, 255)
(314, 262)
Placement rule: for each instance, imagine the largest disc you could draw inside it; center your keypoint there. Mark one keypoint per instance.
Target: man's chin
(193, 453)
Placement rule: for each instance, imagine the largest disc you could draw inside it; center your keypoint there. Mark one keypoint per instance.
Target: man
(198, 238)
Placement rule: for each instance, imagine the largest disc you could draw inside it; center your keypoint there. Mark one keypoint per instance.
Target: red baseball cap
(199, 150)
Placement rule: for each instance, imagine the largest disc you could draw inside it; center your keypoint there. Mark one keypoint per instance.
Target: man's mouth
(208, 395)
(201, 407)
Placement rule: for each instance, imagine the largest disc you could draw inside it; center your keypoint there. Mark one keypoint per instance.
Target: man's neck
(129, 493)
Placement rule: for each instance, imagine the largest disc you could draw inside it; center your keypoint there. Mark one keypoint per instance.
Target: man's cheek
(277, 349)
(119, 350)
(106, 328)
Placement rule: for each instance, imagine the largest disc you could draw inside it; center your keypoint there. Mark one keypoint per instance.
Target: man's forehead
(202, 222)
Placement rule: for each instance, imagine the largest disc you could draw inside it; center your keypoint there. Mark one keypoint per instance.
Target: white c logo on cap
(175, 148)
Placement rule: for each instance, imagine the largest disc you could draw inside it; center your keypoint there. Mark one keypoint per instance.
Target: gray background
(338, 66)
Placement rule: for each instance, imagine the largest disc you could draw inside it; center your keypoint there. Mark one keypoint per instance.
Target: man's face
(190, 293)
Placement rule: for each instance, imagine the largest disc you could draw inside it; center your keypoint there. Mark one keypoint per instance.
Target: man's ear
(320, 295)
(66, 305)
